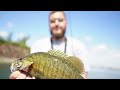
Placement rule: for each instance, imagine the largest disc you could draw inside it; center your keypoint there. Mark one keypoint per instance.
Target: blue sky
(97, 29)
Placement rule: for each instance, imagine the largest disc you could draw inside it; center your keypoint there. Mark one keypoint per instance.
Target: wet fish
(53, 64)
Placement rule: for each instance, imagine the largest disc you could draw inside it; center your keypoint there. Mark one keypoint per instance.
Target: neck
(58, 39)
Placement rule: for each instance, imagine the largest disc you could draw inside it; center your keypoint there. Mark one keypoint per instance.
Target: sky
(98, 30)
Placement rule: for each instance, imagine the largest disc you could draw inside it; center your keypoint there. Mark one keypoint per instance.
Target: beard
(58, 35)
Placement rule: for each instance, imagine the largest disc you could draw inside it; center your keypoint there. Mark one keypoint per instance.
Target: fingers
(29, 77)
(15, 74)
(20, 75)
(33, 77)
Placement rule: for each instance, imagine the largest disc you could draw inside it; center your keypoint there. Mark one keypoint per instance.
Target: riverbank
(13, 51)
(6, 60)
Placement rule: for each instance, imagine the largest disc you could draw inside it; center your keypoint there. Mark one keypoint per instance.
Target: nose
(56, 22)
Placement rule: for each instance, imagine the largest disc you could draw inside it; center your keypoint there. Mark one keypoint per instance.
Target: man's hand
(20, 75)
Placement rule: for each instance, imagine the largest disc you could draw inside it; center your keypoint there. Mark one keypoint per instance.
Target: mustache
(57, 27)
(58, 35)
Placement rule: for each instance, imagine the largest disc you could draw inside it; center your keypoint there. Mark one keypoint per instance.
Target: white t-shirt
(74, 48)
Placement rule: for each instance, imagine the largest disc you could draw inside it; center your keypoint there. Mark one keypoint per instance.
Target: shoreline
(103, 67)
(6, 60)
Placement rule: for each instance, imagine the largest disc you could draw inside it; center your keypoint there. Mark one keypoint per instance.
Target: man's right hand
(20, 75)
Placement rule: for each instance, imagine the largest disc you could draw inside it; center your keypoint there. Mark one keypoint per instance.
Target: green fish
(53, 64)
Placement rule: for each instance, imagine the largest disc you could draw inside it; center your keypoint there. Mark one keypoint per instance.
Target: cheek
(52, 25)
(62, 25)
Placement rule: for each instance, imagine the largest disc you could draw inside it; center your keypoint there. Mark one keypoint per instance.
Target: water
(95, 73)
(104, 73)
(4, 71)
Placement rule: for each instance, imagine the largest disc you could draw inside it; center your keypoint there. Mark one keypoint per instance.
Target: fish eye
(21, 59)
(18, 64)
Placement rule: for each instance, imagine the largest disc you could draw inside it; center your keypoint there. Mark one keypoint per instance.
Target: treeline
(20, 42)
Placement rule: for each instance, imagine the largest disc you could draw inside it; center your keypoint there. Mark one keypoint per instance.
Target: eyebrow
(57, 19)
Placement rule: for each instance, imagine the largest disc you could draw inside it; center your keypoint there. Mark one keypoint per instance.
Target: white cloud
(88, 38)
(3, 34)
(104, 56)
(117, 55)
(101, 47)
(19, 35)
(9, 24)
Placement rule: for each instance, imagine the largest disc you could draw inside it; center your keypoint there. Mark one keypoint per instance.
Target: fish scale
(53, 64)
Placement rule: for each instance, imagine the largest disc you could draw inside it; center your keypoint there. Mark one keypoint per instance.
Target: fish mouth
(13, 69)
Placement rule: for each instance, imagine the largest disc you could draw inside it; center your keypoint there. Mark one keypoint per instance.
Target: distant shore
(103, 67)
(6, 60)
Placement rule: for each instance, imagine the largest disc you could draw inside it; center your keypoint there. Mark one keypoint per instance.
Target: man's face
(57, 24)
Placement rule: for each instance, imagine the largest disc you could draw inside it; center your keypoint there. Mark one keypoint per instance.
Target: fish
(53, 64)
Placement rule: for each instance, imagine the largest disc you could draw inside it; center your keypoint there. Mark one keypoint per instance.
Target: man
(58, 40)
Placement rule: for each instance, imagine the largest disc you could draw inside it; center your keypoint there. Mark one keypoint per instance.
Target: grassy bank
(20, 43)
(13, 49)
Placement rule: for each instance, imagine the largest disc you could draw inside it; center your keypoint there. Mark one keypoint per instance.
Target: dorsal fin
(76, 62)
(72, 59)
(57, 53)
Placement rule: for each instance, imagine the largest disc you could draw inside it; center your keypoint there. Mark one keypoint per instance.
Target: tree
(9, 38)
(23, 40)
